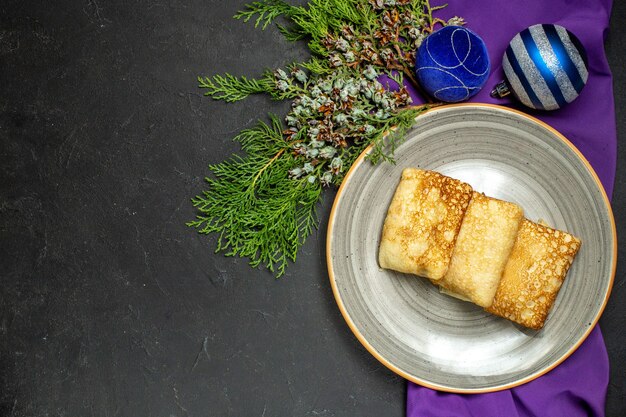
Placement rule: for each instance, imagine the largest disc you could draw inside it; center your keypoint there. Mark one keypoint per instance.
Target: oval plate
(441, 342)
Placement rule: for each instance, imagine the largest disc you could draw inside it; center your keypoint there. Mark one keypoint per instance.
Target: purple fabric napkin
(577, 387)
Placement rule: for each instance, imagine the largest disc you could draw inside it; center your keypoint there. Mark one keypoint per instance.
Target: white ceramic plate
(441, 342)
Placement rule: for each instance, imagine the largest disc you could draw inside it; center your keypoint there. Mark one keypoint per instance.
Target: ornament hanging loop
(500, 90)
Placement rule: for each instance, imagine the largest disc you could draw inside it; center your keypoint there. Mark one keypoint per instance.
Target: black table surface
(109, 304)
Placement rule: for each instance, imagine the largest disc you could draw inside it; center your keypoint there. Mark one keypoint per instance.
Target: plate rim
(435, 386)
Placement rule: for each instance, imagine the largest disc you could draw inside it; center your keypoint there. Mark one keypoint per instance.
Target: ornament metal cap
(500, 90)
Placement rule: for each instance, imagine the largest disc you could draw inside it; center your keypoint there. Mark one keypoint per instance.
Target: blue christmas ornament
(545, 67)
(452, 64)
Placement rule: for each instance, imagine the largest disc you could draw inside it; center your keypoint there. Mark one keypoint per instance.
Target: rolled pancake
(482, 249)
(534, 274)
(422, 223)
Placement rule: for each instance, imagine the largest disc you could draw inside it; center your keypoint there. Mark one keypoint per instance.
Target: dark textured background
(109, 305)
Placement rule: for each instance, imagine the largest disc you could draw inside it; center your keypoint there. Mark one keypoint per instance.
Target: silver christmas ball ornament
(545, 67)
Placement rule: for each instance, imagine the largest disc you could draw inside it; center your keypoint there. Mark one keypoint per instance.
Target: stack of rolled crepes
(475, 247)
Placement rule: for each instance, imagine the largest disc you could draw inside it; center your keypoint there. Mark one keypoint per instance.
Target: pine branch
(266, 11)
(344, 12)
(230, 88)
(262, 204)
(317, 66)
(257, 210)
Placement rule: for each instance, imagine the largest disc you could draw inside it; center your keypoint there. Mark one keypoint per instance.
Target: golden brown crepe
(534, 273)
(482, 249)
(422, 223)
